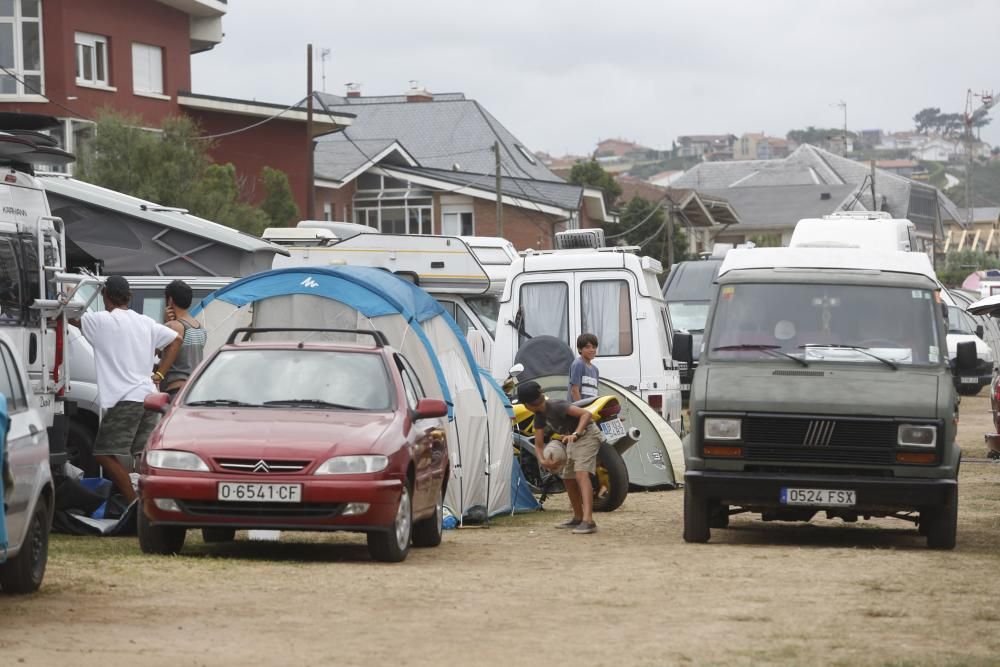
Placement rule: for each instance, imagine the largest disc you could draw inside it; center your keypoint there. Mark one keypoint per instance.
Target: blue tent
(416, 325)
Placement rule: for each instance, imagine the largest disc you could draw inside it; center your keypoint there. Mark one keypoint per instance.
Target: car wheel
(696, 528)
(24, 572)
(427, 532)
(392, 546)
(163, 540)
(942, 525)
(218, 534)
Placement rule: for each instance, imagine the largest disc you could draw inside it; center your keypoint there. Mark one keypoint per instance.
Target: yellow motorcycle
(610, 481)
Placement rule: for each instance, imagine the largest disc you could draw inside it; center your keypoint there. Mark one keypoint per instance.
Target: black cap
(529, 392)
(116, 288)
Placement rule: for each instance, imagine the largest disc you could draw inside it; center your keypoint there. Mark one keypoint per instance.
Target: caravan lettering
(10, 210)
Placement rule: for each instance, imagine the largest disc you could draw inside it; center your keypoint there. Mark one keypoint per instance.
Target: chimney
(353, 89)
(418, 94)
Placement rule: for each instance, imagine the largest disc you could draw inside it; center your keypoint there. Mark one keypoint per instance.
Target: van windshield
(822, 322)
(689, 315)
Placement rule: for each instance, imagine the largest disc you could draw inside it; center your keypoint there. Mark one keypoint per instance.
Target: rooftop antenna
(324, 55)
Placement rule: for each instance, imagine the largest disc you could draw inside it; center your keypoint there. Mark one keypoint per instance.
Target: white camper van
(610, 292)
(867, 230)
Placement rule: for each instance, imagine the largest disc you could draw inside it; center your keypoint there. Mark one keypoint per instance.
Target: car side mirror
(428, 408)
(683, 348)
(980, 331)
(966, 358)
(158, 402)
(516, 369)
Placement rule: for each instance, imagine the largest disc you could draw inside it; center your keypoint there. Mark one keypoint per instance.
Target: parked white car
(30, 500)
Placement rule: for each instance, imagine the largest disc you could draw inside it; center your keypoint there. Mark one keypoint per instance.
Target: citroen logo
(261, 466)
(819, 433)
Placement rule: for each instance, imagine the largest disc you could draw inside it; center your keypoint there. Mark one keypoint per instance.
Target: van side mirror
(980, 331)
(683, 348)
(965, 358)
(516, 369)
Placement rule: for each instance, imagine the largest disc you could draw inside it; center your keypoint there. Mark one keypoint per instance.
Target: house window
(392, 206)
(147, 69)
(328, 211)
(21, 48)
(72, 136)
(457, 224)
(92, 59)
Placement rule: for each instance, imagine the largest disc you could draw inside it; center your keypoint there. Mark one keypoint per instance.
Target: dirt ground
(632, 594)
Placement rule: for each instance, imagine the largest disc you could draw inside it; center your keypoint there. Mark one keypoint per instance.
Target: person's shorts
(581, 454)
(125, 429)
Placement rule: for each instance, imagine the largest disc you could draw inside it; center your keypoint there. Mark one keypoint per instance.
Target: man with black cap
(582, 440)
(125, 345)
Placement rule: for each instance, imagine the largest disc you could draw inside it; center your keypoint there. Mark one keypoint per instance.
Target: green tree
(927, 119)
(592, 174)
(279, 204)
(958, 266)
(816, 135)
(651, 234)
(172, 167)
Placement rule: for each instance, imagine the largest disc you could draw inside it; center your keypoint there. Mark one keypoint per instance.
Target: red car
(297, 436)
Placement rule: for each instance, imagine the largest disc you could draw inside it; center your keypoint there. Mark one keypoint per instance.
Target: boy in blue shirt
(583, 374)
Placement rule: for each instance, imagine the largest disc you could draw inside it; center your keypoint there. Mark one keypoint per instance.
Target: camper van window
(689, 315)
(606, 312)
(10, 284)
(546, 310)
(824, 322)
(457, 314)
(959, 322)
(10, 382)
(496, 256)
(487, 309)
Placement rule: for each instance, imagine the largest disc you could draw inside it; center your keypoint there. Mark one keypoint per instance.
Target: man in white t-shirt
(125, 345)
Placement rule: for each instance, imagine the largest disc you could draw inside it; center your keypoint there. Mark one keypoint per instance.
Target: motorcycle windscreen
(657, 460)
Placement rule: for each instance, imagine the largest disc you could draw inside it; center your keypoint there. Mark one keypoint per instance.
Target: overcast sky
(563, 74)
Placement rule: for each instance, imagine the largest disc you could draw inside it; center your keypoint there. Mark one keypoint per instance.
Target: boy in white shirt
(125, 345)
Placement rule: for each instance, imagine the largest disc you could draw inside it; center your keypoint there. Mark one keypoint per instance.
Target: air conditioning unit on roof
(576, 239)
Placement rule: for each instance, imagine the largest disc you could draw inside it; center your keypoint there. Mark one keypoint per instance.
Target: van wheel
(162, 540)
(942, 523)
(392, 545)
(696, 528)
(24, 572)
(209, 535)
(80, 448)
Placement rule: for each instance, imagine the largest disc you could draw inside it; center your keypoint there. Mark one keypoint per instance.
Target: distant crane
(969, 119)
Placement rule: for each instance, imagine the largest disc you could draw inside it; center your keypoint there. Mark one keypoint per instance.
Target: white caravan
(445, 266)
(610, 292)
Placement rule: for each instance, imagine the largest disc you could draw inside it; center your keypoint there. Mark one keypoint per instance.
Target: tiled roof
(448, 131)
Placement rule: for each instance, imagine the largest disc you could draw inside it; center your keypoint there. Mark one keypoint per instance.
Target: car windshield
(959, 322)
(823, 322)
(689, 315)
(487, 309)
(323, 379)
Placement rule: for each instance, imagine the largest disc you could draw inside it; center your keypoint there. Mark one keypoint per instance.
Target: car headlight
(719, 428)
(917, 436)
(171, 459)
(353, 465)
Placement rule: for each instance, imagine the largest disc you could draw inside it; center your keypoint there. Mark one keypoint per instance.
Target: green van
(824, 385)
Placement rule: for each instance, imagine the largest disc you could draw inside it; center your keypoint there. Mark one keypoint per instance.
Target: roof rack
(380, 338)
(631, 249)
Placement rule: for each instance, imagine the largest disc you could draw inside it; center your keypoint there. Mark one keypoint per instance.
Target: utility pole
(670, 233)
(499, 192)
(310, 177)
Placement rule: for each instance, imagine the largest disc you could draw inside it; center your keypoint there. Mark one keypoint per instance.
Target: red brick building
(72, 58)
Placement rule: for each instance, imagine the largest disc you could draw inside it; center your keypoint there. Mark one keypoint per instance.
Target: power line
(631, 229)
(250, 127)
(42, 95)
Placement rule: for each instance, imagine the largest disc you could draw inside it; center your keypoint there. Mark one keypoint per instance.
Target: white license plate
(612, 428)
(966, 380)
(243, 492)
(822, 497)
